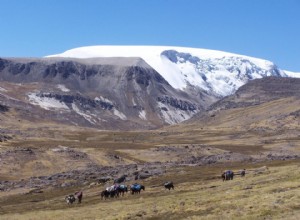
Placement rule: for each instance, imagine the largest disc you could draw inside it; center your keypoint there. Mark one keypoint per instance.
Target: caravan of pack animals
(119, 188)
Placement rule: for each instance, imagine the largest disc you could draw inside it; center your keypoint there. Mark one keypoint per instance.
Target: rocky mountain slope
(123, 87)
(106, 93)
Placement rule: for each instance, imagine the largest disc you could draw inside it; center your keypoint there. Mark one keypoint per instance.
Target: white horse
(70, 199)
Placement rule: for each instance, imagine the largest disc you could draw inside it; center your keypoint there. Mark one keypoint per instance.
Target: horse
(104, 194)
(78, 195)
(114, 193)
(243, 172)
(136, 188)
(120, 179)
(111, 191)
(227, 175)
(169, 185)
(109, 194)
(122, 189)
(70, 199)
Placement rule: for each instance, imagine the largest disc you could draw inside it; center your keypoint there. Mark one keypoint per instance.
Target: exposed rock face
(3, 108)
(84, 101)
(179, 104)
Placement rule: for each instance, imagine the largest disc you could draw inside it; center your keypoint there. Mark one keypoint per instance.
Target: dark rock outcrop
(109, 93)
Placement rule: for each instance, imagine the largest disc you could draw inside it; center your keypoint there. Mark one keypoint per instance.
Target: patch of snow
(142, 115)
(133, 102)
(3, 90)
(119, 114)
(8, 97)
(103, 100)
(221, 81)
(63, 88)
(60, 149)
(173, 116)
(292, 74)
(86, 116)
(47, 103)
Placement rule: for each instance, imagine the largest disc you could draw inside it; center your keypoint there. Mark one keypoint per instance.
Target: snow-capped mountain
(124, 87)
(213, 71)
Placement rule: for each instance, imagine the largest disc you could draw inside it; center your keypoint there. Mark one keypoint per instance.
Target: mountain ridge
(211, 70)
(126, 91)
(104, 92)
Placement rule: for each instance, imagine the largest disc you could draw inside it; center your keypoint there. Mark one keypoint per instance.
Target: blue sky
(268, 29)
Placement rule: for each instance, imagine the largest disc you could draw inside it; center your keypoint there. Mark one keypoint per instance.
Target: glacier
(213, 71)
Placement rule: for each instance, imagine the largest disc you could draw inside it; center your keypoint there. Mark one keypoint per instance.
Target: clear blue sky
(268, 29)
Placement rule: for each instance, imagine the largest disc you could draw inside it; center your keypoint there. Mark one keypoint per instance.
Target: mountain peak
(213, 71)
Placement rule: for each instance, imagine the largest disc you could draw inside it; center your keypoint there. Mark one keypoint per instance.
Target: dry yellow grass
(267, 193)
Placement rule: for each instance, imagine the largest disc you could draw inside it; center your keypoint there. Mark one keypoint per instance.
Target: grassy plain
(266, 192)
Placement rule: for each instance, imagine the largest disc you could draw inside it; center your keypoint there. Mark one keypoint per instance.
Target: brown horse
(78, 195)
(243, 172)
